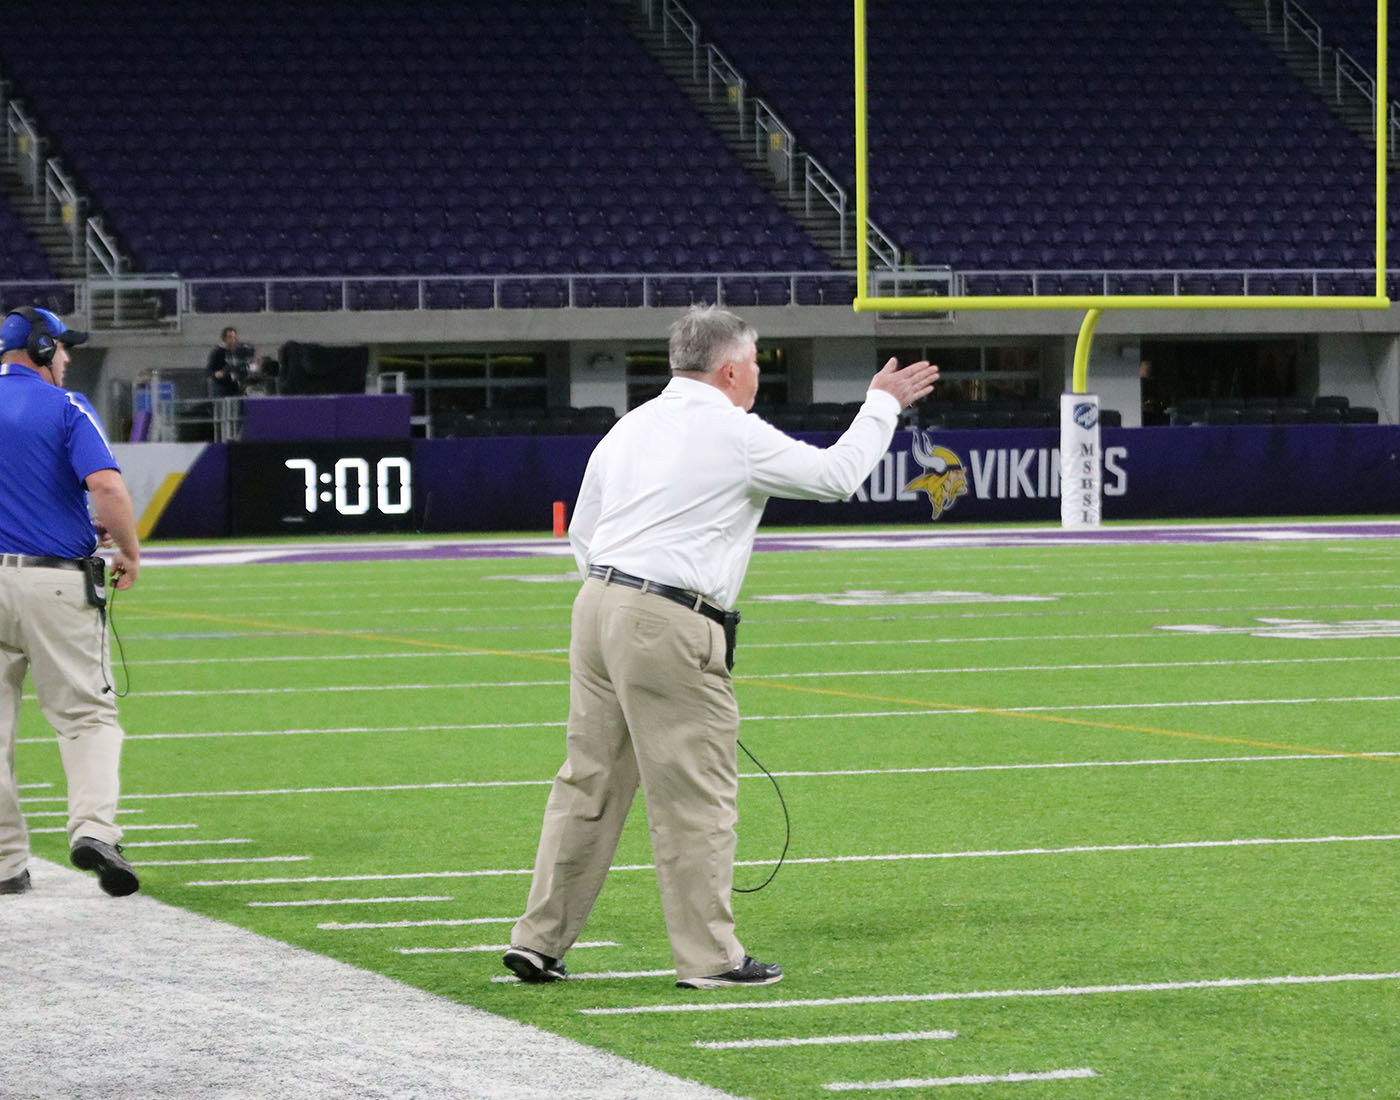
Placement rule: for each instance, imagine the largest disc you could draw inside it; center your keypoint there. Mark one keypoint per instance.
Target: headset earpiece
(41, 345)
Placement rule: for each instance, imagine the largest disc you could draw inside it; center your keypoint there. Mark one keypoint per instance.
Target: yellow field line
(799, 689)
(1060, 719)
(262, 624)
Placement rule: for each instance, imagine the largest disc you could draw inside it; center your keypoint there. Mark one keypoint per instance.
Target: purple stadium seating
(308, 139)
(1092, 135)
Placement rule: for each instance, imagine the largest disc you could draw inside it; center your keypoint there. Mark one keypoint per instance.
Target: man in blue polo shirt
(53, 623)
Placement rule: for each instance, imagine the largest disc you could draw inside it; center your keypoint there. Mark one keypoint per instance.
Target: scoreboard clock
(322, 488)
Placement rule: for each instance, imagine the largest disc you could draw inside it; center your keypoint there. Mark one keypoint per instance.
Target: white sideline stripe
(995, 994)
(825, 1040)
(64, 813)
(289, 1023)
(970, 1079)
(606, 974)
(486, 947)
(211, 862)
(345, 901)
(932, 770)
(335, 926)
(894, 857)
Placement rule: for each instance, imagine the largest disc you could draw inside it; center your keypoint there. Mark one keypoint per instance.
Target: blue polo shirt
(50, 441)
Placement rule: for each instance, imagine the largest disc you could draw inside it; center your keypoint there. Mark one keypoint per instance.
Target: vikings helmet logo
(943, 479)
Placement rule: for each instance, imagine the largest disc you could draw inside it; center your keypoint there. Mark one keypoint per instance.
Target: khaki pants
(47, 627)
(650, 700)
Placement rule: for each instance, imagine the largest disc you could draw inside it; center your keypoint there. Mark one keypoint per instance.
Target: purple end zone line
(951, 536)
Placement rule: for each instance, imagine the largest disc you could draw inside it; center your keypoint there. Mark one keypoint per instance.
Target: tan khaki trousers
(47, 627)
(650, 700)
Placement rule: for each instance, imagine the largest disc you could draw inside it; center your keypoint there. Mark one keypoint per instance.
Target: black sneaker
(114, 874)
(748, 972)
(531, 966)
(17, 885)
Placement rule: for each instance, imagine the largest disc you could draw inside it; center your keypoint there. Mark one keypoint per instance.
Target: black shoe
(531, 966)
(17, 885)
(748, 972)
(114, 874)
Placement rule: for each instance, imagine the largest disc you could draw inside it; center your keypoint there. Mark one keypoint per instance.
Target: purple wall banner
(935, 478)
(326, 416)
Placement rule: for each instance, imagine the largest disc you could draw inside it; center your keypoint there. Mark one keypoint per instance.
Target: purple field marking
(953, 537)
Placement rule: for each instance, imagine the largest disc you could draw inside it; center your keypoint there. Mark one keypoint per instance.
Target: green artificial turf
(1095, 800)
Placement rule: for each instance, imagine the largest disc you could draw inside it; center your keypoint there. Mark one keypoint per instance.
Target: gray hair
(704, 336)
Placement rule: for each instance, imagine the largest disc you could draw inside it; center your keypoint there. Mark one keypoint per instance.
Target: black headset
(41, 345)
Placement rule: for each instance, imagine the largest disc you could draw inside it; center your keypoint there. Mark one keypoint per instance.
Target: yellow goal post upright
(1080, 451)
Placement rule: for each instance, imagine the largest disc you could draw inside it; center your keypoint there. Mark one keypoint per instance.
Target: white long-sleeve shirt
(675, 491)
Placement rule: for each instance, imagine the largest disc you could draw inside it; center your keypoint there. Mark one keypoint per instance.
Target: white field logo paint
(879, 597)
(1002, 473)
(1301, 628)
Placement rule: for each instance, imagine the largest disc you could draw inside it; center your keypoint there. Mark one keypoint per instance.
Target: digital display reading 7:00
(321, 487)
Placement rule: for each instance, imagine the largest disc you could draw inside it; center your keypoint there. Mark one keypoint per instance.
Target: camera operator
(230, 365)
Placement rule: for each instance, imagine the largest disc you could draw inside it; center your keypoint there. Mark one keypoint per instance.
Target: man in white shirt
(662, 533)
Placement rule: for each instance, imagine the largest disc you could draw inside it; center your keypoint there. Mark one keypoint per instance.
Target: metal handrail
(24, 146)
(58, 188)
(780, 143)
(1345, 69)
(673, 15)
(720, 68)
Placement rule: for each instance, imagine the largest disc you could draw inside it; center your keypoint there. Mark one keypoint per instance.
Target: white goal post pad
(1081, 461)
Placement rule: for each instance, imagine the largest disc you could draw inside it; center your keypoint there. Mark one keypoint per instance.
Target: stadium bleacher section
(325, 138)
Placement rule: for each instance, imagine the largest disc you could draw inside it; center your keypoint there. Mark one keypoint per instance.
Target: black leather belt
(40, 561)
(608, 575)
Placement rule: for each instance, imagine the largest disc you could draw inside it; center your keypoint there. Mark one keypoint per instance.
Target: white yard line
(144, 844)
(1105, 666)
(995, 994)
(932, 710)
(223, 1012)
(483, 947)
(832, 773)
(125, 828)
(892, 857)
(348, 901)
(825, 1040)
(970, 1079)
(605, 975)
(212, 862)
(355, 926)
